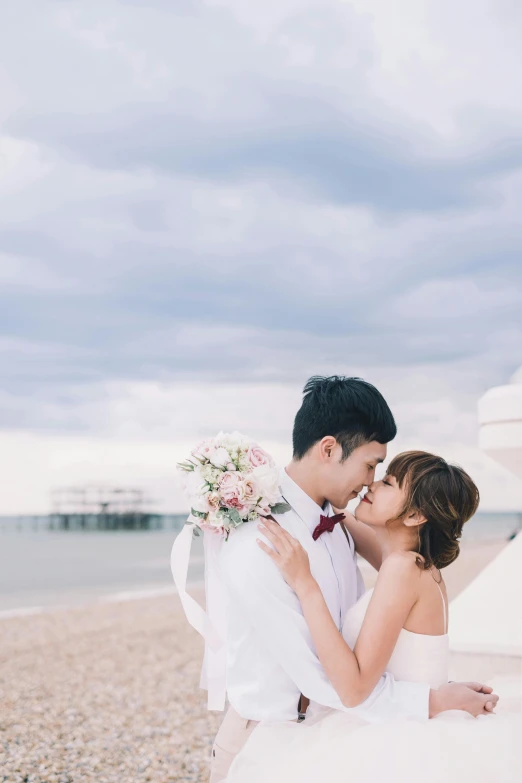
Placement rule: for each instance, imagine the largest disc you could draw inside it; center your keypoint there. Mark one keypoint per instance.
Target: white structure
(487, 616)
(500, 419)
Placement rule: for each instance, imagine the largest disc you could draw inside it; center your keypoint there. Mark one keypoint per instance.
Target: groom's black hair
(349, 409)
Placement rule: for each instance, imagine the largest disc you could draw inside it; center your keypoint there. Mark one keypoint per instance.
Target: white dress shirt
(271, 658)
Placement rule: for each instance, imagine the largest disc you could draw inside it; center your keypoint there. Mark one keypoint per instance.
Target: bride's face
(383, 501)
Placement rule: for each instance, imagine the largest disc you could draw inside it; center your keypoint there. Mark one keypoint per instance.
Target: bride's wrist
(306, 587)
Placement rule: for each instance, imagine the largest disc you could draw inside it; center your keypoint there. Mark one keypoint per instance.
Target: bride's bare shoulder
(400, 564)
(398, 582)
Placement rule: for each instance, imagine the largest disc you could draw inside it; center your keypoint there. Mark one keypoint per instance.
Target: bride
(416, 513)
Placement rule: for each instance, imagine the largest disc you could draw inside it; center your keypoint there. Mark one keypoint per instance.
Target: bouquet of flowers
(229, 481)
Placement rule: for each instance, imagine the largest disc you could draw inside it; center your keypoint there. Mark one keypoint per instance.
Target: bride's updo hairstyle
(442, 493)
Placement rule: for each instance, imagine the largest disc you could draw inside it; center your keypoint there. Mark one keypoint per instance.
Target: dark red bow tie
(326, 525)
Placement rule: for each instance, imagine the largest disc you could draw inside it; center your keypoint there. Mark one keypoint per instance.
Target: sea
(41, 568)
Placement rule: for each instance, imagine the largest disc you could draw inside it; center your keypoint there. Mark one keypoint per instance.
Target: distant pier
(101, 508)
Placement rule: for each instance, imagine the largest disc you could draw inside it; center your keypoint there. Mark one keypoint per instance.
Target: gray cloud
(195, 195)
(197, 94)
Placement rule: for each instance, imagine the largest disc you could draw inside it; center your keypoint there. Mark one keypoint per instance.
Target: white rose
(203, 450)
(220, 458)
(200, 503)
(267, 479)
(224, 439)
(193, 482)
(232, 440)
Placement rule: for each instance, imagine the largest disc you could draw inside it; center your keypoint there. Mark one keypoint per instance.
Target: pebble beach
(108, 692)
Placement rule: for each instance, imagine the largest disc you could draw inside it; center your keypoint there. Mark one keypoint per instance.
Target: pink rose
(248, 496)
(249, 492)
(213, 501)
(229, 487)
(241, 508)
(258, 457)
(238, 493)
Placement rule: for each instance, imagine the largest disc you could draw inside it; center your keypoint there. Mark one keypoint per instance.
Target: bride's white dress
(338, 747)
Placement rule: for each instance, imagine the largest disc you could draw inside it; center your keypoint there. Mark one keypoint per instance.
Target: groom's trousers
(232, 735)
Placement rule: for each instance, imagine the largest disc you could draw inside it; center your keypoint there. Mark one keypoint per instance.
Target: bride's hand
(288, 555)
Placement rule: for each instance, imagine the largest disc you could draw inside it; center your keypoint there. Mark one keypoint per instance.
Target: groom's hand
(472, 697)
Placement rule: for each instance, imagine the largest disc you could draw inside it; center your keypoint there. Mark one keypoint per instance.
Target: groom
(340, 435)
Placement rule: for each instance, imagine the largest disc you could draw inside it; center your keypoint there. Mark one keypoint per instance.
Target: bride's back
(429, 615)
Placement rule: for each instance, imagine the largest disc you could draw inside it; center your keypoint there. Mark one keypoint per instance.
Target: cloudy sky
(202, 203)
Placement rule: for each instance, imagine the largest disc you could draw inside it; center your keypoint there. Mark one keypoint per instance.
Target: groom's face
(346, 479)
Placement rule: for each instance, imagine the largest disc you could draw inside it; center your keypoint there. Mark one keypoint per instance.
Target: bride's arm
(366, 543)
(353, 673)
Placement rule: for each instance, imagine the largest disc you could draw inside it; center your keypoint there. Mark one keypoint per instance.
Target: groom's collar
(306, 508)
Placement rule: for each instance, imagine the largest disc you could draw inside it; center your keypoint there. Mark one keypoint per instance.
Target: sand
(109, 692)
(105, 693)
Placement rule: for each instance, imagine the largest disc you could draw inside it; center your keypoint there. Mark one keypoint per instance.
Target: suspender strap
(348, 537)
(303, 700)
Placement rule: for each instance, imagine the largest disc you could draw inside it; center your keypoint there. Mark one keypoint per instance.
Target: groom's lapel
(320, 562)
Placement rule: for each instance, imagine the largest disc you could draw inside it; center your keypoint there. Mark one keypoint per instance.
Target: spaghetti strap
(444, 608)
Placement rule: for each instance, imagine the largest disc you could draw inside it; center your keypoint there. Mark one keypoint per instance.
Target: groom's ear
(326, 447)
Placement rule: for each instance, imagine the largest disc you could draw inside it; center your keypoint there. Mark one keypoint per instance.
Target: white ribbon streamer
(211, 624)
